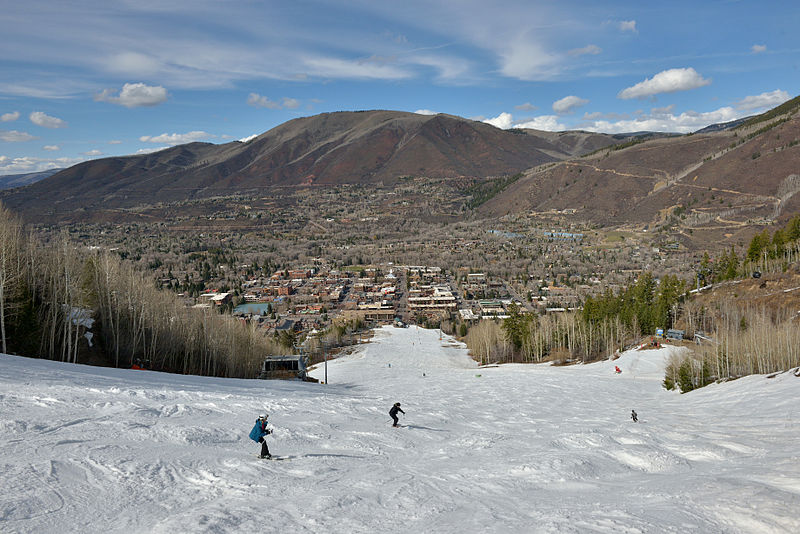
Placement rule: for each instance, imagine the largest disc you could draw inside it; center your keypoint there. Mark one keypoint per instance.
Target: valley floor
(515, 448)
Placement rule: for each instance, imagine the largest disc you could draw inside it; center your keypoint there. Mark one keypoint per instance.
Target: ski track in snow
(514, 448)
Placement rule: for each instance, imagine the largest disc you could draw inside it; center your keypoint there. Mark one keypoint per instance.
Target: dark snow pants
(394, 416)
(264, 448)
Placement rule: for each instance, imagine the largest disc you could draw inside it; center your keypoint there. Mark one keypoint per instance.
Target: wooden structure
(283, 367)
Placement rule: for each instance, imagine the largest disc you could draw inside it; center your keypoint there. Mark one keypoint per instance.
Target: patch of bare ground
(776, 293)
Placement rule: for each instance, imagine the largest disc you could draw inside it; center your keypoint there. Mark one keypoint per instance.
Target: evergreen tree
(732, 267)
(778, 242)
(793, 229)
(757, 244)
(516, 326)
(685, 378)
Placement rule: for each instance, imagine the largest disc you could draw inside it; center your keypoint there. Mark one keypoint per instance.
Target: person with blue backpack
(260, 433)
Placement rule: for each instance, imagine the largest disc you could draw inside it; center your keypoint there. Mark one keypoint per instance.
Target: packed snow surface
(514, 448)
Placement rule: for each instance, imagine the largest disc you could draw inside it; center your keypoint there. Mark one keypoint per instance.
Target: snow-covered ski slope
(506, 449)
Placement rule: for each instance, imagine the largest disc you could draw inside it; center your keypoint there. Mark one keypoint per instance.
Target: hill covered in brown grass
(323, 150)
(708, 186)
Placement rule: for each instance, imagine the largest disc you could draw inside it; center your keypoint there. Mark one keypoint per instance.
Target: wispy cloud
(526, 59)
(14, 136)
(39, 118)
(527, 106)
(758, 48)
(134, 95)
(339, 68)
(9, 117)
(628, 26)
(668, 81)
(51, 148)
(426, 112)
(589, 49)
(568, 104)
(92, 153)
(175, 138)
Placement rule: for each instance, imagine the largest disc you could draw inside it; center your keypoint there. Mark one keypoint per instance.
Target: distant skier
(259, 434)
(393, 412)
(634, 416)
(617, 369)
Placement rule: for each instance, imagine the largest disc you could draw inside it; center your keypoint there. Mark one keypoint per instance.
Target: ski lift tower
(325, 356)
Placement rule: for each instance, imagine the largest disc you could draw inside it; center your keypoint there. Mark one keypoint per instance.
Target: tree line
(47, 293)
(746, 339)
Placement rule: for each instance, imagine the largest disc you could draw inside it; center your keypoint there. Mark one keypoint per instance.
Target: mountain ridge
(327, 149)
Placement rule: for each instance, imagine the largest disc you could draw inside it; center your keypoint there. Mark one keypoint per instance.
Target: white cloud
(290, 103)
(134, 95)
(151, 150)
(527, 106)
(9, 117)
(529, 61)
(39, 118)
(51, 148)
(668, 81)
(758, 48)
(544, 122)
(426, 112)
(27, 164)
(92, 153)
(176, 139)
(115, 142)
(663, 120)
(764, 100)
(568, 104)
(258, 101)
(628, 26)
(13, 136)
(589, 49)
(503, 121)
(548, 123)
(248, 138)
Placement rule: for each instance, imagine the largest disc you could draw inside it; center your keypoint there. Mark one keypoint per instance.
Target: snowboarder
(634, 416)
(259, 434)
(393, 412)
(617, 369)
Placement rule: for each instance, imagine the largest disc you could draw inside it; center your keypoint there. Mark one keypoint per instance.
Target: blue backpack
(256, 433)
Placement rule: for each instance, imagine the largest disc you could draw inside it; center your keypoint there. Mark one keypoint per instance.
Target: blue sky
(87, 79)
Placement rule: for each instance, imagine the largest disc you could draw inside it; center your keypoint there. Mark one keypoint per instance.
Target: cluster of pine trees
(48, 292)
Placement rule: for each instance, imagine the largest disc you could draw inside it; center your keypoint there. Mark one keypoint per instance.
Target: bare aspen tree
(10, 267)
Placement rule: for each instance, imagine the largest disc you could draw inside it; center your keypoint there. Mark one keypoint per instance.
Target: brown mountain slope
(718, 183)
(326, 149)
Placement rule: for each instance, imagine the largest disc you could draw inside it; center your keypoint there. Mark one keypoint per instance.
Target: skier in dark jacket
(394, 410)
(634, 416)
(259, 434)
